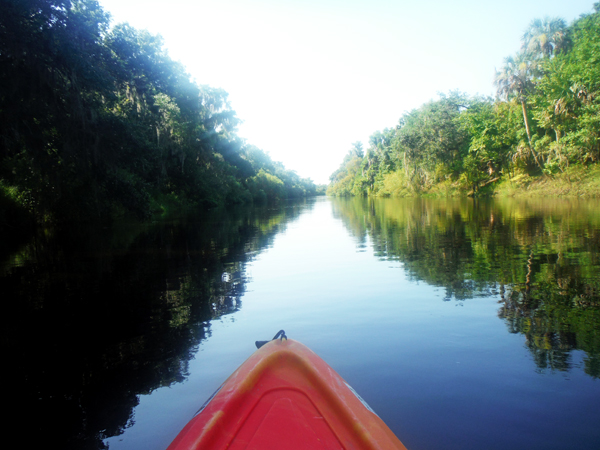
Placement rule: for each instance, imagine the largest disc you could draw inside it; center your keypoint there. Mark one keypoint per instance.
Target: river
(464, 324)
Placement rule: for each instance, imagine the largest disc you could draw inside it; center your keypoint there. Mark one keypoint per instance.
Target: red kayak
(285, 397)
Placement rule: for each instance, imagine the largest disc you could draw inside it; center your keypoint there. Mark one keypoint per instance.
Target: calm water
(465, 325)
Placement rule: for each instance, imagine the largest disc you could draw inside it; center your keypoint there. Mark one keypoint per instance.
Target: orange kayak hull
(285, 397)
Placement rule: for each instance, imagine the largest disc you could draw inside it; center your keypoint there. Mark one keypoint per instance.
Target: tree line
(98, 121)
(544, 119)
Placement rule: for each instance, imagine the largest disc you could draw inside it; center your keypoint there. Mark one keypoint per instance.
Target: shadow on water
(540, 257)
(93, 318)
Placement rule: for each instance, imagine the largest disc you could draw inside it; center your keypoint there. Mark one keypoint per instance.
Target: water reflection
(93, 318)
(540, 256)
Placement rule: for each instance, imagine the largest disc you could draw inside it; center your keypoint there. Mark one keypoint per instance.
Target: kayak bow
(285, 397)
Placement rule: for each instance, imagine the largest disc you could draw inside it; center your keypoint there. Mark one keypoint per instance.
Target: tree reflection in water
(541, 258)
(95, 317)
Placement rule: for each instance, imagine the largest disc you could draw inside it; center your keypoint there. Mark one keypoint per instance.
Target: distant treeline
(546, 117)
(98, 122)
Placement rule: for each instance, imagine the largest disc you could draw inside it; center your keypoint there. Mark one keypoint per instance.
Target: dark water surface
(464, 324)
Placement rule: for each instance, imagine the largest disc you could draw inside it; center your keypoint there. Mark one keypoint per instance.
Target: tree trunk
(526, 120)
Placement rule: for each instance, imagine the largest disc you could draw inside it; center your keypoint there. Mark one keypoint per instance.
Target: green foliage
(395, 184)
(266, 187)
(12, 211)
(349, 178)
(546, 118)
(431, 135)
(98, 122)
(567, 97)
(427, 145)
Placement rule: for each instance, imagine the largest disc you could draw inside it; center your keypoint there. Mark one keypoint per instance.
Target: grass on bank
(575, 181)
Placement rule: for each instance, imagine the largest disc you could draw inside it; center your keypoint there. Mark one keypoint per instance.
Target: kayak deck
(285, 396)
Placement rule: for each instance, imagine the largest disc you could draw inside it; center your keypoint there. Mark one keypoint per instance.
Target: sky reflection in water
(424, 346)
(463, 324)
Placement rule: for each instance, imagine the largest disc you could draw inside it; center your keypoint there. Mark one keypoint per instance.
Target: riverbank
(575, 181)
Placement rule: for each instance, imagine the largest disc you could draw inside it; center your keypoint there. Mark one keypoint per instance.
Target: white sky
(310, 77)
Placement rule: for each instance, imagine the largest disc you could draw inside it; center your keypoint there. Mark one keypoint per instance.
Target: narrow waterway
(464, 325)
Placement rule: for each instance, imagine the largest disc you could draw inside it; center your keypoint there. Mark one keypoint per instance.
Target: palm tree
(545, 37)
(515, 81)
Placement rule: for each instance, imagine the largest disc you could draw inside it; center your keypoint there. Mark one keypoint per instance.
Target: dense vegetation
(98, 122)
(545, 120)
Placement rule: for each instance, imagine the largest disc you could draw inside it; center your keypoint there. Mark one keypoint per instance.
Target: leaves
(546, 117)
(98, 121)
